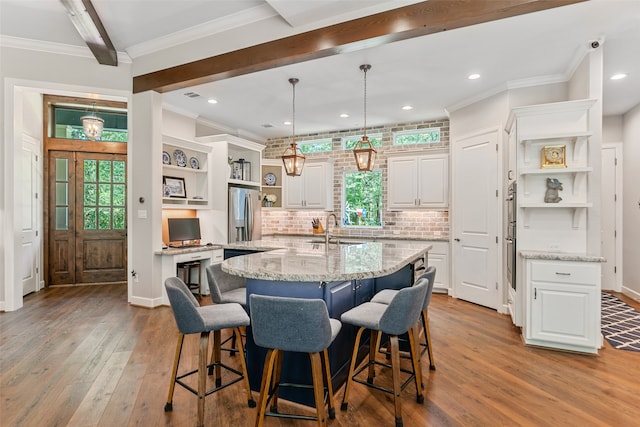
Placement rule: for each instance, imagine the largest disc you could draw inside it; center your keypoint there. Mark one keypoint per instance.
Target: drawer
(565, 272)
(193, 256)
(217, 256)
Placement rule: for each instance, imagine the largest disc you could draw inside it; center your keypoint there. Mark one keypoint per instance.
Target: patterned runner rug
(620, 323)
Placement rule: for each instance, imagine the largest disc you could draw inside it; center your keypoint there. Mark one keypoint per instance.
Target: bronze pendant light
(292, 158)
(364, 152)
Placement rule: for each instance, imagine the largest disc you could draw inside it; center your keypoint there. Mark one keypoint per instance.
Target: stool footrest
(377, 387)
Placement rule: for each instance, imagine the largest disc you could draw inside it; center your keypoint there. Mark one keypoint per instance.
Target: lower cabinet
(563, 305)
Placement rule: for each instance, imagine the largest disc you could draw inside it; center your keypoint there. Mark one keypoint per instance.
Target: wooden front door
(87, 227)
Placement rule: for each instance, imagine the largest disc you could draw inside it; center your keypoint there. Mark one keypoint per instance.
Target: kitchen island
(343, 274)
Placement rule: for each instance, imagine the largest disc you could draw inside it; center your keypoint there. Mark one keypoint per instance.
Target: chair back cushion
(404, 309)
(290, 324)
(430, 277)
(184, 306)
(221, 282)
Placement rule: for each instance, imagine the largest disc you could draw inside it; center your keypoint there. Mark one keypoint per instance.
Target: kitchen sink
(337, 241)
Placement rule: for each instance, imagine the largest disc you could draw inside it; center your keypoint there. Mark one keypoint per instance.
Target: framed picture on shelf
(174, 187)
(554, 156)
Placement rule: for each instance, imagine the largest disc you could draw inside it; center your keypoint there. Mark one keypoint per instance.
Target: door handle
(457, 240)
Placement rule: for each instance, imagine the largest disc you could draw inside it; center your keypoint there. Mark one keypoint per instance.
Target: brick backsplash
(418, 223)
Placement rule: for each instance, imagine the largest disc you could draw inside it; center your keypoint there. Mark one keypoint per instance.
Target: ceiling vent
(267, 125)
(192, 94)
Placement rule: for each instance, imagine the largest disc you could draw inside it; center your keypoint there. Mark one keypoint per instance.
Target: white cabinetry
(194, 173)
(311, 190)
(564, 305)
(439, 258)
(418, 181)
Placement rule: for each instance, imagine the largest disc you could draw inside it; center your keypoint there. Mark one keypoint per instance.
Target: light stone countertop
(300, 260)
(560, 256)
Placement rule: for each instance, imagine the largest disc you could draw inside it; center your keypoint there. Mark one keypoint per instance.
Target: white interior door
(475, 219)
(28, 184)
(611, 234)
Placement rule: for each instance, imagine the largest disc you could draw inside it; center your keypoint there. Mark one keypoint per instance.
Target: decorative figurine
(553, 186)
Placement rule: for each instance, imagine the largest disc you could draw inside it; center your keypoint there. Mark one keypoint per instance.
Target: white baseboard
(631, 293)
(146, 302)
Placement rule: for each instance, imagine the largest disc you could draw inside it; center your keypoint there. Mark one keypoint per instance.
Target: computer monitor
(184, 229)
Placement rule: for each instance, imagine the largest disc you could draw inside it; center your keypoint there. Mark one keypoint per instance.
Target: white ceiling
(429, 73)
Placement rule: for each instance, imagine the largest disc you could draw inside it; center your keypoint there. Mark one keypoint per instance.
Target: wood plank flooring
(81, 356)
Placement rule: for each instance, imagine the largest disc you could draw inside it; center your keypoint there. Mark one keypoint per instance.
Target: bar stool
(184, 272)
(192, 319)
(397, 318)
(293, 324)
(385, 296)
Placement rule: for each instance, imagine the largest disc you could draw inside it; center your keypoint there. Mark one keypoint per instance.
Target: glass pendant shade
(92, 125)
(293, 160)
(365, 154)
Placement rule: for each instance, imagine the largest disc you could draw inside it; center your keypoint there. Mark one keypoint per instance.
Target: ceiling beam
(416, 20)
(86, 20)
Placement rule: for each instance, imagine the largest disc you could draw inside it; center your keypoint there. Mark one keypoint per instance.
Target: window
(67, 124)
(418, 136)
(316, 146)
(362, 199)
(349, 142)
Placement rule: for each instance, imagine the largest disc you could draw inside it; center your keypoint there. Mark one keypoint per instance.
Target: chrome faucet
(326, 231)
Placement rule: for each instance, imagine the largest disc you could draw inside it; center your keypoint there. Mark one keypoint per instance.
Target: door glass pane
(90, 194)
(104, 194)
(104, 172)
(62, 169)
(90, 169)
(104, 218)
(118, 171)
(62, 193)
(118, 218)
(90, 218)
(118, 194)
(62, 218)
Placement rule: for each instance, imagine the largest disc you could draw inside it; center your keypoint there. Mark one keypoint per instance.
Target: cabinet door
(433, 181)
(293, 191)
(315, 185)
(439, 258)
(403, 180)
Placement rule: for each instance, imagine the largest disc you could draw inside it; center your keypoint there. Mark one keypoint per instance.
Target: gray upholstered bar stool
(293, 324)
(193, 319)
(397, 318)
(385, 296)
(225, 288)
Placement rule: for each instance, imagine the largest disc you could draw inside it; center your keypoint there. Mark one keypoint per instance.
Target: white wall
(631, 203)
(612, 129)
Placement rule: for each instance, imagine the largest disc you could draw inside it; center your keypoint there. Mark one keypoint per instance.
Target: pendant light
(364, 152)
(292, 157)
(92, 125)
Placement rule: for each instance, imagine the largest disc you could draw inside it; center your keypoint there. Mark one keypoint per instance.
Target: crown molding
(56, 48)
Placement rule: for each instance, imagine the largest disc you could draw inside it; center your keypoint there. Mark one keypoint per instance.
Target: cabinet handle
(563, 274)
(457, 240)
(535, 293)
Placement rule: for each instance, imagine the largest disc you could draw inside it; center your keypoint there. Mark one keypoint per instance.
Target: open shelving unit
(196, 180)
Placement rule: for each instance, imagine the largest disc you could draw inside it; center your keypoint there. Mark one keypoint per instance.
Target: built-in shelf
(196, 180)
(577, 139)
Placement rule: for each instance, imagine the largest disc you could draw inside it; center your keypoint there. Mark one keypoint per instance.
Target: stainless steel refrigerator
(245, 221)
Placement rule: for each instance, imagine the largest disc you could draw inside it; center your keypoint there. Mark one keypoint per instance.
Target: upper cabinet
(235, 160)
(311, 190)
(185, 170)
(418, 181)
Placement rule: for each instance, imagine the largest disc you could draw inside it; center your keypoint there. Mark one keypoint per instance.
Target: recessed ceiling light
(407, 107)
(473, 76)
(344, 115)
(212, 101)
(286, 123)
(618, 76)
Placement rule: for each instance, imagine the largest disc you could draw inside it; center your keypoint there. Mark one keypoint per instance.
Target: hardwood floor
(81, 356)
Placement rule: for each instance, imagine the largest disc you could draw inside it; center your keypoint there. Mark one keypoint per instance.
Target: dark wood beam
(416, 20)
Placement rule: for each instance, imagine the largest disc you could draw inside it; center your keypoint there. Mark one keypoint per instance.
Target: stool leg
(427, 333)
(318, 388)
(267, 371)
(243, 364)
(352, 367)
(373, 342)
(395, 373)
(414, 351)
(275, 381)
(174, 373)
(216, 354)
(202, 375)
(327, 368)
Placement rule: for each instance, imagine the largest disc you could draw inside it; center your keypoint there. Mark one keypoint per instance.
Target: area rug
(620, 323)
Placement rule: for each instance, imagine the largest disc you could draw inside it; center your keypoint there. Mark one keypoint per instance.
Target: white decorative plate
(166, 158)
(180, 158)
(270, 179)
(194, 163)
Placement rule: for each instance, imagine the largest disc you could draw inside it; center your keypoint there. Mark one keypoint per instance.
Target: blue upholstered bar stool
(385, 296)
(398, 317)
(193, 319)
(293, 324)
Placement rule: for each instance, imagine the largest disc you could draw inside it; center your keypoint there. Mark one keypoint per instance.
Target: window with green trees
(316, 146)
(349, 142)
(67, 123)
(420, 136)
(362, 199)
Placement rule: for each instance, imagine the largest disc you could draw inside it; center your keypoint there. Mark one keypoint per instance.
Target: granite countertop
(560, 256)
(177, 251)
(301, 260)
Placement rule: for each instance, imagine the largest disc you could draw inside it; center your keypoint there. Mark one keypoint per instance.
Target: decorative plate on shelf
(194, 163)
(270, 179)
(166, 158)
(180, 158)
